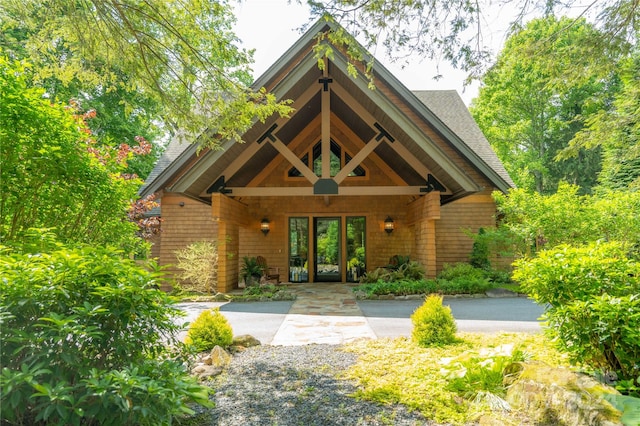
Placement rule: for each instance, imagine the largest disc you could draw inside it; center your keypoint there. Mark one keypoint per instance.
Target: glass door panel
(298, 249)
(356, 256)
(327, 249)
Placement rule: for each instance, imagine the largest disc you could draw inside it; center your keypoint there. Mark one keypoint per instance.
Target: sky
(271, 27)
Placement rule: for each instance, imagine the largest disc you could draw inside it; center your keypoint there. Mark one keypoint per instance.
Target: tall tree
(616, 130)
(123, 114)
(180, 53)
(529, 110)
(453, 30)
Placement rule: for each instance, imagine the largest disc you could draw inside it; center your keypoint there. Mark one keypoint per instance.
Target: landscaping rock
(220, 357)
(559, 396)
(205, 372)
(206, 360)
(245, 341)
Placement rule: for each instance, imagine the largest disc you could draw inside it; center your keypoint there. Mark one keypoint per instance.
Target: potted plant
(251, 271)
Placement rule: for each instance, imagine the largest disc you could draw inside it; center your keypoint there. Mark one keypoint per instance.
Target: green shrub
(378, 274)
(398, 288)
(210, 329)
(564, 274)
(462, 278)
(479, 257)
(499, 278)
(84, 341)
(594, 304)
(433, 324)
(601, 332)
(404, 270)
(463, 285)
(454, 271)
(411, 271)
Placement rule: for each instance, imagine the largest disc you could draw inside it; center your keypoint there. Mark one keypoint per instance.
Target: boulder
(204, 372)
(219, 357)
(559, 396)
(241, 343)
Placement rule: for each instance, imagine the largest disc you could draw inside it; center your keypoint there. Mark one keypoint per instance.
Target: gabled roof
(294, 72)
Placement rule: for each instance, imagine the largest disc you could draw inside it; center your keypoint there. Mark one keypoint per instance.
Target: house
(352, 178)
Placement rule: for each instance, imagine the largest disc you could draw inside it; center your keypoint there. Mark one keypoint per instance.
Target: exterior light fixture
(264, 226)
(389, 226)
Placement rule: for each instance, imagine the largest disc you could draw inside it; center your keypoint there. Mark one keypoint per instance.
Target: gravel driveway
(296, 385)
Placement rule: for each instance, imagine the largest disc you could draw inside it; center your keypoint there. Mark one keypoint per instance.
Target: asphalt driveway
(386, 318)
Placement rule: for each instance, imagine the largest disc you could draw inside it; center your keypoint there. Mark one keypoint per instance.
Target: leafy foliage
(251, 270)
(84, 340)
(536, 221)
(180, 55)
(529, 110)
(462, 278)
(628, 405)
(392, 371)
(594, 308)
(479, 257)
(199, 264)
(617, 131)
(53, 175)
(453, 31)
(433, 323)
(403, 269)
(480, 370)
(120, 113)
(210, 329)
(397, 288)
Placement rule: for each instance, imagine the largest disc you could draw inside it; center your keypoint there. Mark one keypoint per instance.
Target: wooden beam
(398, 147)
(295, 161)
(380, 190)
(271, 191)
(355, 140)
(413, 131)
(253, 147)
(307, 190)
(293, 145)
(326, 123)
(356, 160)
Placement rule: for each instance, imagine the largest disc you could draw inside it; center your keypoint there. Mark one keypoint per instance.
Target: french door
(333, 252)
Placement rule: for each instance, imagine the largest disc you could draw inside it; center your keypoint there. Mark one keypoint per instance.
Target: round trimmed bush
(210, 329)
(433, 324)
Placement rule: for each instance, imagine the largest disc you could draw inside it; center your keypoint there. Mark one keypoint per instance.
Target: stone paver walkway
(323, 313)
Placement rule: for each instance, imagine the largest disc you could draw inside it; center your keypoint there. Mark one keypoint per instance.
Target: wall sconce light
(264, 226)
(181, 203)
(389, 226)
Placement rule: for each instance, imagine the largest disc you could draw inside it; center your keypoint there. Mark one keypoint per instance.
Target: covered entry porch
(323, 239)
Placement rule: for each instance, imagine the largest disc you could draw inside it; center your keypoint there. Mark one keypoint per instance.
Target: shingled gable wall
(181, 226)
